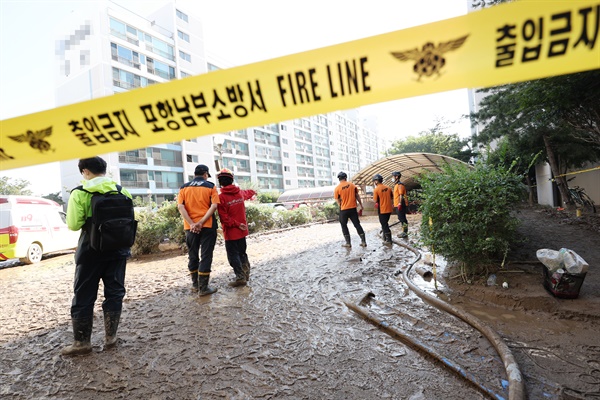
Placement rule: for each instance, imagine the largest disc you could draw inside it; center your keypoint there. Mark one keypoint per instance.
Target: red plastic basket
(565, 286)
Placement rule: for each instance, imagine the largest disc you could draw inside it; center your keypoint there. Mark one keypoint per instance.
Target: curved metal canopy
(409, 164)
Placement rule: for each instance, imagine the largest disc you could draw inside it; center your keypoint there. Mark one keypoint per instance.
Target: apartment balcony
(168, 185)
(132, 160)
(117, 34)
(238, 169)
(126, 61)
(168, 163)
(133, 40)
(136, 184)
(160, 52)
(123, 84)
(160, 73)
(268, 171)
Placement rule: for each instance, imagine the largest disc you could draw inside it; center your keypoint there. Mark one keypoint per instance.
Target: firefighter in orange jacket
(401, 203)
(346, 194)
(382, 196)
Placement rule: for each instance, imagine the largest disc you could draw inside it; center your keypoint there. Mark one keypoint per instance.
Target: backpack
(112, 225)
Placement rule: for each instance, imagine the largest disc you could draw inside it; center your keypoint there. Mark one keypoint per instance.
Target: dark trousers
(87, 281)
(200, 249)
(402, 215)
(384, 220)
(236, 252)
(352, 215)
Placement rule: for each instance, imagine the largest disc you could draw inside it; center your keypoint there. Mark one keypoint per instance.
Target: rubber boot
(246, 267)
(404, 233)
(82, 334)
(348, 242)
(387, 238)
(240, 277)
(240, 280)
(111, 324)
(194, 276)
(363, 240)
(204, 289)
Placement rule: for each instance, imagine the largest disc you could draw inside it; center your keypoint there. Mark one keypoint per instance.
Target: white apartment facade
(114, 50)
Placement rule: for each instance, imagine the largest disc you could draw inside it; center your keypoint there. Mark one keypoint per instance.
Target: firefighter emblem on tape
(429, 60)
(35, 139)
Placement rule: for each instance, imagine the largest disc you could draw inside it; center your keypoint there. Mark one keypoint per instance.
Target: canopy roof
(409, 164)
(304, 194)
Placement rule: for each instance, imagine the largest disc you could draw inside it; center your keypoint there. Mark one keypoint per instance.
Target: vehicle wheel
(34, 254)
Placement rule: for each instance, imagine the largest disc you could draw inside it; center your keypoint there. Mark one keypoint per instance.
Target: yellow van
(31, 227)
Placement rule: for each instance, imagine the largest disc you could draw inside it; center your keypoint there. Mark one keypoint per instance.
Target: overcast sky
(236, 31)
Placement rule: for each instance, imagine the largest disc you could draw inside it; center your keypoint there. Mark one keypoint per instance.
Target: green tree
(16, 186)
(55, 197)
(559, 116)
(434, 141)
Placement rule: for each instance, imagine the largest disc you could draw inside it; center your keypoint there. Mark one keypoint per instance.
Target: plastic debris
(564, 259)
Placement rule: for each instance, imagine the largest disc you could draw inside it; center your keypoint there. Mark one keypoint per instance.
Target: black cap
(201, 169)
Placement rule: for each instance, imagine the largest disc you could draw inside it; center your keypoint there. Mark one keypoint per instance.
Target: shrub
(172, 222)
(331, 210)
(268, 197)
(259, 217)
(156, 226)
(165, 223)
(299, 216)
(470, 210)
(149, 233)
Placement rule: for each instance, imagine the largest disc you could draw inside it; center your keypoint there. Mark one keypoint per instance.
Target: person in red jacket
(232, 213)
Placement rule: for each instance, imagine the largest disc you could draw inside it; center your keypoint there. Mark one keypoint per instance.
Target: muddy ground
(289, 335)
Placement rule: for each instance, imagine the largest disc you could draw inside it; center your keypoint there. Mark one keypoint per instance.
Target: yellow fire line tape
(574, 173)
(507, 43)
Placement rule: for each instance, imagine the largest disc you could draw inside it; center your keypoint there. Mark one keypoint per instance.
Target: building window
(159, 47)
(283, 127)
(160, 69)
(288, 182)
(184, 74)
(286, 154)
(128, 80)
(192, 158)
(183, 36)
(124, 55)
(181, 16)
(211, 67)
(286, 169)
(284, 141)
(168, 180)
(185, 56)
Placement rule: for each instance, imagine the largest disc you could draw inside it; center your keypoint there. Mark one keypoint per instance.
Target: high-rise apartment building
(113, 50)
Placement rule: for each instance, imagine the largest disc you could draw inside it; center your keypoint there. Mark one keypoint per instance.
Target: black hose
(384, 326)
(516, 384)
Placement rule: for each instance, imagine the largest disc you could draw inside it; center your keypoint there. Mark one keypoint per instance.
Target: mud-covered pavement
(286, 335)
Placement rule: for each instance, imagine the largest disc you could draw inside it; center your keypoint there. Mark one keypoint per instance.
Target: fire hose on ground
(516, 385)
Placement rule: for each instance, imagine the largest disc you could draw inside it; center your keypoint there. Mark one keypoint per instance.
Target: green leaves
(471, 213)
(14, 186)
(435, 141)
